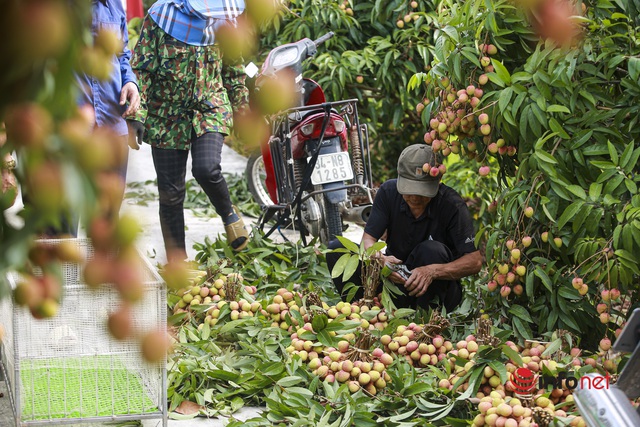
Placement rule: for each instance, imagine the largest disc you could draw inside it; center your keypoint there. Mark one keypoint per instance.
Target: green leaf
(326, 339)
(569, 213)
(529, 284)
(416, 388)
(512, 354)
(505, 97)
(545, 157)
(351, 267)
(302, 391)
(521, 328)
(553, 347)
(452, 33)
(206, 332)
(632, 163)
(501, 71)
(471, 55)
(349, 244)
(626, 155)
(338, 268)
(491, 243)
(501, 369)
(555, 108)
(546, 281)
(568, 293)
(402, 416)
(633, 66)
(289, 381)
(613, 153)
(581, 138)
(319, 322)
(557, 128)
(521, 312)
(568, 320)
(578, 191)
(403, 312)
(595, 190)
(223, 375)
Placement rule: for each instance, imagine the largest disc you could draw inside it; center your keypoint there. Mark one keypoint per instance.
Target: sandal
(237, 233)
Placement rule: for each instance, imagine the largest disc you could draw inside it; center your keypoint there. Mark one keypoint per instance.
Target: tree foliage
(572, 114)
(569, 113)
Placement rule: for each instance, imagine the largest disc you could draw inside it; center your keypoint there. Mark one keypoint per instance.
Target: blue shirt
(104, 96)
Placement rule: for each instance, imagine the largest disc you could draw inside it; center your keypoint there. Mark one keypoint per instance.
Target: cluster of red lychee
(346, 7)
(419, 350)
(40, 288)
(608, 296)
(458, 126)
(409, 16)
(434, 171)
(509, 275)
(210, 291)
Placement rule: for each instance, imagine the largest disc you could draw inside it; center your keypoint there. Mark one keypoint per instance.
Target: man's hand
(394, 276)
(420, 279)
(136, 132)
(130, 93)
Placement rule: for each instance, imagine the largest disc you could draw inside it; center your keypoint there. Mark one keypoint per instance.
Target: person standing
(428, 228)
(189, 96)
(116, 97)
(108, 100)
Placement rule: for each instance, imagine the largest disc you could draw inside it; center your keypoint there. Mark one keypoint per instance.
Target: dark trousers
(440, 292)
(171, 169)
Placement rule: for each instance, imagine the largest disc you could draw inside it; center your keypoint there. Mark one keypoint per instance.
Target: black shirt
(446, 220)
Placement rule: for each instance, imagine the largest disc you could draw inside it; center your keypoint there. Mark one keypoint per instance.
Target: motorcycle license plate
(331, 168)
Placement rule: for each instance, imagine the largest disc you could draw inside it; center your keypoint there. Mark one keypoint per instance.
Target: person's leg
(122, 156)
(206, 157)
(171, 168)
(119, 171)
(440, 292)
(332, 259)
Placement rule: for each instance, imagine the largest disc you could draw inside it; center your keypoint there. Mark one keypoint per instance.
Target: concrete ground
(140, 169)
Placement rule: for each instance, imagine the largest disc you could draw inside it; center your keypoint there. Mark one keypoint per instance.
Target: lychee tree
(568, 212)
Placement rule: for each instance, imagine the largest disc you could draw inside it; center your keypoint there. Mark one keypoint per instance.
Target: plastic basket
(68, 369)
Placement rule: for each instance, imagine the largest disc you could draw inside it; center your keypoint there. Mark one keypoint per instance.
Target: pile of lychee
(370, 376)
(500, 410)
(418, 349)
(211, 291)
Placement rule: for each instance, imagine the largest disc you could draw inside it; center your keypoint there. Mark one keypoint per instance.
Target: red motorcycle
(313, 172)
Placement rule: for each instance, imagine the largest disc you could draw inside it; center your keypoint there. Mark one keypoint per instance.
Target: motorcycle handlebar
(323, 38)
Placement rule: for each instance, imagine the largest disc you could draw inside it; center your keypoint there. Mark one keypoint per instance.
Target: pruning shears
(401, 269)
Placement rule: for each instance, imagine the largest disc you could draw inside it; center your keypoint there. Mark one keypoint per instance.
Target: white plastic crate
(68, 369)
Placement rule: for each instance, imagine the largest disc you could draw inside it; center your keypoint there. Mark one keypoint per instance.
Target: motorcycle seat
(299, 116)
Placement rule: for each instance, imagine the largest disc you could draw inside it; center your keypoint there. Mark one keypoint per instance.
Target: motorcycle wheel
(332, 219)
(256, 176)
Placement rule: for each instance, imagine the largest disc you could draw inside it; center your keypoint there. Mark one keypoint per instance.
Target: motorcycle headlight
(338, 125)
(307, 129)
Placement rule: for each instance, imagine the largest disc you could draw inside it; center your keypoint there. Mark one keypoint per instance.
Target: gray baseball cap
(411, 177)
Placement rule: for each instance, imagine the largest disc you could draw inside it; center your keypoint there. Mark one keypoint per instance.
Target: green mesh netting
(91, 386)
